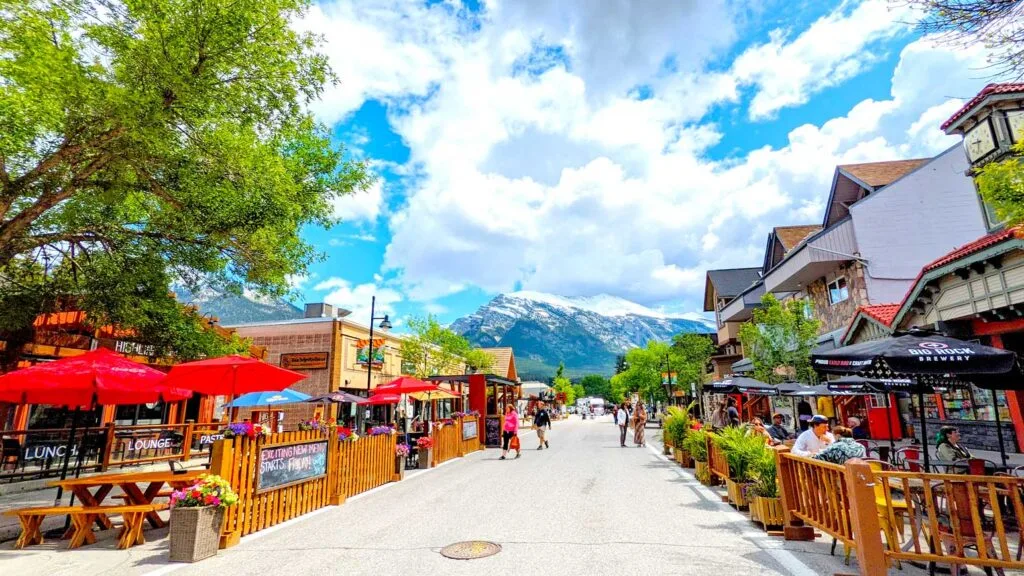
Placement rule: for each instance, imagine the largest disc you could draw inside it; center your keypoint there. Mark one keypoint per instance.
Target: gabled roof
(504, 363)
(883, 314)
(987, 91)
(790, 236)
(728, 283)
(878, 174)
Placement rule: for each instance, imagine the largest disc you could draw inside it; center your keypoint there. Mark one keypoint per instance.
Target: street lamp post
(385, 324)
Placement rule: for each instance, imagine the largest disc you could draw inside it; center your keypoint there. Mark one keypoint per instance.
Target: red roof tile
(884, 313)
(985, 93)
(968, 249)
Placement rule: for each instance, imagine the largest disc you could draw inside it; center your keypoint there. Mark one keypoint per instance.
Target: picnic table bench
(82, 518)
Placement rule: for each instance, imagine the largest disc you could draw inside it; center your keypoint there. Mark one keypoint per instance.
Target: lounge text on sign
(282, 465)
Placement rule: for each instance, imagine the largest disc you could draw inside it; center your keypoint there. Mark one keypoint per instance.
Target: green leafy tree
(561, 384)
(691, 354)
(779, 340)
(431, 349)
(597, 386)
(643, 371)
(1002, 185)
(147, 143)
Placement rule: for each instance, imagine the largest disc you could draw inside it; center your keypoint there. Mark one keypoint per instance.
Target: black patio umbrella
(920, 360)
(338, 397)
(741, 385)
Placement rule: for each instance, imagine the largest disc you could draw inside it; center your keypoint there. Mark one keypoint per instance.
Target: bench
(81, 520)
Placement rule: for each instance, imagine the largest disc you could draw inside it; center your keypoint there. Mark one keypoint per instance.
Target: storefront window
(42, 417)
(139, 414)
(968, 404)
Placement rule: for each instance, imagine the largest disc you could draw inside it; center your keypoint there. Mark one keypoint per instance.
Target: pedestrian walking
(639, 423)
(720, 417)
(622, 419)
(510, 433)
(540, 420)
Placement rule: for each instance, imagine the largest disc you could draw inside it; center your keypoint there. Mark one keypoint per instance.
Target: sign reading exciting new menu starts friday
(291, 463)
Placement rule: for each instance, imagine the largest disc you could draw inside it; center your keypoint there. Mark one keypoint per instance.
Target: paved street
(586, 506)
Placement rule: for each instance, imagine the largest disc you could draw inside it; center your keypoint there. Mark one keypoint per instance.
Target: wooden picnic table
(93, 490)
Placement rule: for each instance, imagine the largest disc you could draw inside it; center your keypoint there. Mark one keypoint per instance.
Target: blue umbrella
(286, 396)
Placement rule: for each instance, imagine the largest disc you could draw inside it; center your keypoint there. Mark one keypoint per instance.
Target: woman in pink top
(510, 431)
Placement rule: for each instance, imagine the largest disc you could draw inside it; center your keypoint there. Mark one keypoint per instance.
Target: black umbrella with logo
(741, 385)
(917, 361)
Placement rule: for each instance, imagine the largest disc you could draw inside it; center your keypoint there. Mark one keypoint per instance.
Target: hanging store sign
(305, 360)
(363, 352)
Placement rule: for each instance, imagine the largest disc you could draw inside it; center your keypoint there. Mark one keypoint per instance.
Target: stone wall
(974, 434)
(317, 382)
(836, 316)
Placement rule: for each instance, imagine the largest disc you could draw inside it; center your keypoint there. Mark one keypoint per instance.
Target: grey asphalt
(586, 506)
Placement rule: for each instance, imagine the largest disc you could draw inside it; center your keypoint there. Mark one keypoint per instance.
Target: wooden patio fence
(717, 462)
(470, 424)
(951, 519)
(366, 464)
(447, 443)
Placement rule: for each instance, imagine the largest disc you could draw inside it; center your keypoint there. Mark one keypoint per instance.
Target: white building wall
(914, 221)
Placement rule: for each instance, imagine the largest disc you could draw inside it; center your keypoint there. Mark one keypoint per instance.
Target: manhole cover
(470, 550)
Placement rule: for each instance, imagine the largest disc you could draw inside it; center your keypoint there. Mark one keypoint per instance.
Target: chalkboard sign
(469, 429)
(291, 463)
(492, 436)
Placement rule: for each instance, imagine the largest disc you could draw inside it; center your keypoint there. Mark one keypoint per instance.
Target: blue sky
(553, 147)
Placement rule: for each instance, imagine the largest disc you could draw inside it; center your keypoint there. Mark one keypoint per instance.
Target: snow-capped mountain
(585, 333)
(231, 309)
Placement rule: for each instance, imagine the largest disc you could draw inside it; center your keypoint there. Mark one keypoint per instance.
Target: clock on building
(1015, 120)
(979, 141)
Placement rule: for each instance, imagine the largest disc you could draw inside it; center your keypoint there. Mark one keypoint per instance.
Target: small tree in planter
(197, 513)
(696, 446)
(741, 450)
(766, 506)
(676, 427)
(401, 453)
(426, 451)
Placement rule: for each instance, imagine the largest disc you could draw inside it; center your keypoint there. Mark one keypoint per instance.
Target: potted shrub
(741, 449)
(425, 444)
(766, 505)
(197, 513)
(674, 429)
(401, 452)
(696, 445)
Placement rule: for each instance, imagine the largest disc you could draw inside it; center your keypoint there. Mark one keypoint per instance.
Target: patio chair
(978, 466)
(955, 509)
(10, 454)
(1006, 507)
(908, 458)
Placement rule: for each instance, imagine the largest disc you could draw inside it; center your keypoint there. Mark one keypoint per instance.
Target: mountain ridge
(586, 333)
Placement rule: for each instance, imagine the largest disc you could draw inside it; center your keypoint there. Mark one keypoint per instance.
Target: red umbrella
(96, 377)
(382, 399)
(406, 385)
(231, 376)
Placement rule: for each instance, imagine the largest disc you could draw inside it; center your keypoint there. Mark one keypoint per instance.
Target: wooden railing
(447, 443)
(815, 493)
(467, 424)
(983, 514)
(717, 462)
(889, 515)
(366, 464)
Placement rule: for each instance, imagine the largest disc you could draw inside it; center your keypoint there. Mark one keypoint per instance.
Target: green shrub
(741, 450)
(765, 475)
(677, 425)
(696, 444)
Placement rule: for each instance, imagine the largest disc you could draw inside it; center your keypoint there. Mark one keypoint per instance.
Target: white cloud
(564, 180)
(361, 205)
(357, 298)
(832, 50)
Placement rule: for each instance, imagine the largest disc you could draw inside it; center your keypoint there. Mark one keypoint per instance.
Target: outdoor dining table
(93, 490)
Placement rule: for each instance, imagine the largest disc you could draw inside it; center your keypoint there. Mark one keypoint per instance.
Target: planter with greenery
(697, 447)
(741, 450)
(766, 505)
(676, 428)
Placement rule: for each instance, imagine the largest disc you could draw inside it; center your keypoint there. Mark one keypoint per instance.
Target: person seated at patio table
(814, 439)
(948, 445)
(844, 448)
(859, 427)
(757, 429)
(777, 431)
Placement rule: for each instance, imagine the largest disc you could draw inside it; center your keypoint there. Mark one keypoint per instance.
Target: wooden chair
(956, 524)
(891, 514)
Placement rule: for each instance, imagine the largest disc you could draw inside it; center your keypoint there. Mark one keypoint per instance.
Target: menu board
(492, 431)
(291, 463)
(469, 429)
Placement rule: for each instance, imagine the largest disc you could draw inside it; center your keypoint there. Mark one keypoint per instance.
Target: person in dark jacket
(540, 420)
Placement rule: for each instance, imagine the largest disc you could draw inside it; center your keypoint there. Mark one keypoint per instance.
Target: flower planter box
(683, 458)
(767, 511)
(399, 468)
(426, 456)
(195, 533)
(703, 473)
(737, 493)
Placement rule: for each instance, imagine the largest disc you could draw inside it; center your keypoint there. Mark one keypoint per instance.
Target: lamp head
(385, 324)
